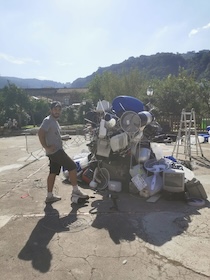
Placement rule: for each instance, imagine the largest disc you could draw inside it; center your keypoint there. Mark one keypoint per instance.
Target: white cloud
(14, 60)
(61, 63)
(11, 59)
(206, 26)
(199, 29)
(193, 32)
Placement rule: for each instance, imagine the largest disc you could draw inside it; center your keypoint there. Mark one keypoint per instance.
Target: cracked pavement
(161, 240)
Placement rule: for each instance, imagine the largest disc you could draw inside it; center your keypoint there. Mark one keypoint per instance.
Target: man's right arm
(41, 134)
(42, 139)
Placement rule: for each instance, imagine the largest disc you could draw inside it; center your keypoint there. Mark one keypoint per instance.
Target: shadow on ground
(35, 249)
(156, 225)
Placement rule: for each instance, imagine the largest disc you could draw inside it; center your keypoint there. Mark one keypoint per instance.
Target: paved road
(161, 240)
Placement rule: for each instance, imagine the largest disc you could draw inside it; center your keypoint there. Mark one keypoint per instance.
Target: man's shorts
(59, 159)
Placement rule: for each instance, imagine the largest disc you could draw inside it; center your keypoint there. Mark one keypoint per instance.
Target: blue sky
(62, 40)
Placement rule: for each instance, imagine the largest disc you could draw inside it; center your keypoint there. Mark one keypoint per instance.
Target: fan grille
(130, 122)
(154, 165)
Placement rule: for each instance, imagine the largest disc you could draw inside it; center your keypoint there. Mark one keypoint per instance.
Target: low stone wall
(5, 132)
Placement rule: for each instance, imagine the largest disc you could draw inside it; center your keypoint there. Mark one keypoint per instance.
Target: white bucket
(201, 139)
(135, 170)
(93, 184)
(115, 186)
(142, 154)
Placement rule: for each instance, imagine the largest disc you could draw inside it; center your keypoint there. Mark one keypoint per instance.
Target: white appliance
(119, 142)
(115, 186)
(173, 180)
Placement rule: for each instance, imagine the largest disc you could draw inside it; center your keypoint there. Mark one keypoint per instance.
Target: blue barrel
(126, 103)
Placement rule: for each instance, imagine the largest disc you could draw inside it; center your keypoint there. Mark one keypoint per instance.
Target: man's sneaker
(80, 194)
(52, 199)
(78, 200)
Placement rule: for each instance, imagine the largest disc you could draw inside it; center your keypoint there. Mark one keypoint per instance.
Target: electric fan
(155, 166)
(130, 122)
(102, 177)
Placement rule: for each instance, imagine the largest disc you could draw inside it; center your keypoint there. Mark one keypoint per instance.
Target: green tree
(68, 115)
(110, 85)
(84, 107)
(203, 96)
(39, 109)
(15, 104)
(174, 93)
(95, 89)
(134, 84)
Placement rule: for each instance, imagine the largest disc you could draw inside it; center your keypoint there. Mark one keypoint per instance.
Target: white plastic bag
(157, 150)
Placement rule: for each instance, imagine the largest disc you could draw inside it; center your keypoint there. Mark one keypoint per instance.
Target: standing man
(50, 139)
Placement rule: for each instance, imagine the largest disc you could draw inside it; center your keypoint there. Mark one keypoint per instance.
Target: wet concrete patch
(172, 235)
(162, 226)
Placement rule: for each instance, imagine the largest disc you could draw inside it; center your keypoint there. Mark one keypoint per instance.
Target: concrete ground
(142, 240)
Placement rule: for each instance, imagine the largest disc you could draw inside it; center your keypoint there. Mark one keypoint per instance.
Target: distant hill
(32, 83)
(158, 66)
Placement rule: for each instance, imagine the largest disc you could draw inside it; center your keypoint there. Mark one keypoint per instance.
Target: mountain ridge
(157, 65)
(32, 83)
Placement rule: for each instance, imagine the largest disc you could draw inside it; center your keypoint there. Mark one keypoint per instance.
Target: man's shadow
(35, 249)
(156, 228)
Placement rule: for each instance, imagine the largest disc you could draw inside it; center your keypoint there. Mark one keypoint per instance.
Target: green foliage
(199, 65)
(174, 93)
(171, 94)
(82, 110)
(109, 85)
(39, 109)
(203, 97)
(95, 89)
(14, 104)
(68, 115)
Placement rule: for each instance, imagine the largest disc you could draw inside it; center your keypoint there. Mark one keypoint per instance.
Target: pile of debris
(122, 155)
